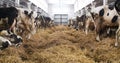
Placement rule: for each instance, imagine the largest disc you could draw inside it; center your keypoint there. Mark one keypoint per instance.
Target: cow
(4, 43)
(25, 25)
(37, 21)
(47, 21)
(89, 24)
(80, 22)
(8, 17)
(108, 15)
(85, 22)
(72, 22)
(7, 38)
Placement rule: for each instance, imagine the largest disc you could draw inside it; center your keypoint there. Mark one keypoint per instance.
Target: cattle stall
(59, 31)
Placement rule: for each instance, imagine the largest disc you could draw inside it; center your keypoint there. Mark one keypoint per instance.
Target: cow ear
(111, 7)
(101, 12)
(25, 12)
(31, 13)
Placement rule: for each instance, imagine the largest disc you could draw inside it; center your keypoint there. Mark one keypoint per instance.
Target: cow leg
(98, 32)
(86, 26)
(117, 36)
(94, 25)
(108, 31)
(98, 29)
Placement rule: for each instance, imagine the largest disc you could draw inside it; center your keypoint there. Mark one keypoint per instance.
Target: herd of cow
(16, 23)
(102, 19)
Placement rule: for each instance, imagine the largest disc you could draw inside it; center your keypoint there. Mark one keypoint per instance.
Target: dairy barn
(59, 31)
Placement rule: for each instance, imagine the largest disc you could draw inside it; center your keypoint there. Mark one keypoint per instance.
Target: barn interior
(60, 31)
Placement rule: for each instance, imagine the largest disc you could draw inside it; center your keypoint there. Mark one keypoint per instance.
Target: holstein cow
(47, 21)
(89, 24)
(8, 15)
(25, 24)
(8, 38)
(4, 43)
(80, 24)
(37, 21)
(40, 22)
(72, 22)
(85, 22)
(108, 16)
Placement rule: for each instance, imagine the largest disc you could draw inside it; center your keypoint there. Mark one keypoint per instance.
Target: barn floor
(62, 44)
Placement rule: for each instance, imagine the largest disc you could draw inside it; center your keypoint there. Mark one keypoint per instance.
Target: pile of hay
(62, 44)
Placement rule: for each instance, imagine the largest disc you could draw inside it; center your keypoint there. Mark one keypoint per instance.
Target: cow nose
(77, 29)
(5, 44)
(20, 40)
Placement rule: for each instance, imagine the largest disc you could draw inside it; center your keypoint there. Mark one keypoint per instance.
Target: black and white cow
(4, 43)
(8, 38)
(43, 21)
(72, 22)
(108, 15)
(10, 14)
(25, 25)
(47, 21)
(79, 22)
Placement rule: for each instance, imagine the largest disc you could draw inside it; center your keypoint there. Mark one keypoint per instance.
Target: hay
(62, 44)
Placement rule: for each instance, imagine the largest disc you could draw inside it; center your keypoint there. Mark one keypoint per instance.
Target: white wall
(61, 9)
(41, 3)
(79, 4)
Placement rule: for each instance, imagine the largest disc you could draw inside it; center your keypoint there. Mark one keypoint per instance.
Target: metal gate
(61, 19)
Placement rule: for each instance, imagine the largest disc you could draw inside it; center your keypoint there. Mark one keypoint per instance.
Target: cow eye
(11, 35)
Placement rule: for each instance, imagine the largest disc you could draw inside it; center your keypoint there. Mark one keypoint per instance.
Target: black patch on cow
(31, 13)
(101, 12)
(111, 7)
(107, 14)
(8, 31)
(9, 12)
(114, 19)
(5, 45)
(16, 39)
(20, 40)
(26, 12)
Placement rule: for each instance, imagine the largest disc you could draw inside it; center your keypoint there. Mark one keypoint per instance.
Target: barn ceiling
(61, 1)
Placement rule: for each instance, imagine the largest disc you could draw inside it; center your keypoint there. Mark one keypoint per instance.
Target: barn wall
(78, 5)
(42, 4)
(61, 9)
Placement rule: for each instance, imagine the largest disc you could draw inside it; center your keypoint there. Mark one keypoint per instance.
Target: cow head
(28, 14)
(13, 38)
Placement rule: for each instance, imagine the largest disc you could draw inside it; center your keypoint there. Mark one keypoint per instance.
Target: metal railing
(9, 3)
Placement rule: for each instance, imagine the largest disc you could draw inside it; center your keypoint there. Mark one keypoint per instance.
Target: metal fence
(9, 3)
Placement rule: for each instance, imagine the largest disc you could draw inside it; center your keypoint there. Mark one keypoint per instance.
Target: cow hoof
(76, 29)
(97, 39)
